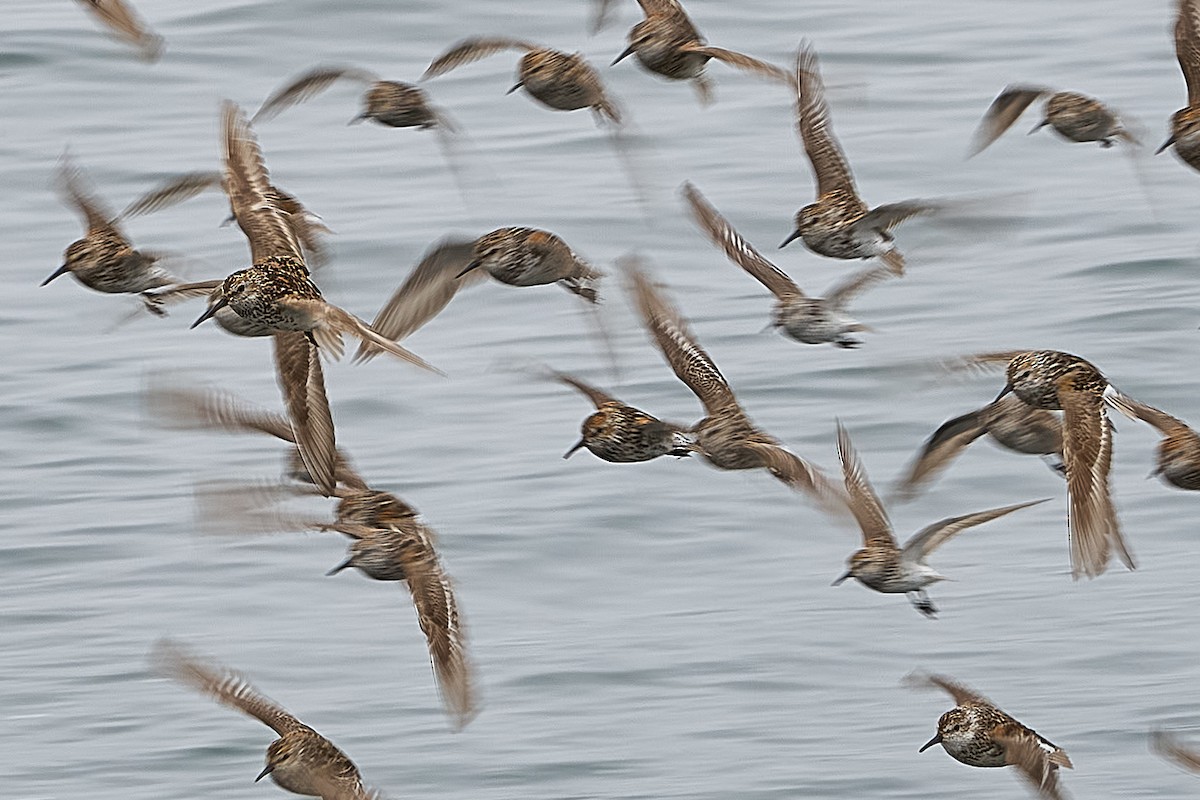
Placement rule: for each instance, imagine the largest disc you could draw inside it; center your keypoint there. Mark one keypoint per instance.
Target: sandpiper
(122, 20)
(533, 257)
(308, 226)
(979, 734)
(1185, 123)
(276, 291)
(391, 542)
(558, 80)
(1010, 422)
(300, 760)
(1179, 450)
(883, 565)
(391, 103)
(725, 438)
(668, 44)
(104, 259)
(811, 320)
(839, 224)
(1054, 380)
(1076, 117)
(623, 434)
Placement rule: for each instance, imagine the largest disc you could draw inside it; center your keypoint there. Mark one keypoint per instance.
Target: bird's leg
(922, 603)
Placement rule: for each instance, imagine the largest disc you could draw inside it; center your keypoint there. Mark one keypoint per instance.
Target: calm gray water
(656, 630)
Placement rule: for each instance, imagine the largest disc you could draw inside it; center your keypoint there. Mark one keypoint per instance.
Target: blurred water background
(656, 630)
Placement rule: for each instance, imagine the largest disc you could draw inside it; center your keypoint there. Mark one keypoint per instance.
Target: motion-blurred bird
(839, 224)
(1179, 450)
(1185, 123)
(391, 103)
(668, 44)
(300, 760)
(122, 20)
(1076, 117)
(882, 564)
(811, 320)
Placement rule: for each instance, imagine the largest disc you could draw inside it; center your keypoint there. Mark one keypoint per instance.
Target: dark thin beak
(228, 221)
(1037, 127)
(63, 270)
(348, 562)
(212, 309)
(1007, 388)
(839, 581)
(513, 89)
(628, 51)
(359, 119)
(794, 235)
(935, 740)
(578, 445)
(266, 771)
(1170, 141)
(471, 266)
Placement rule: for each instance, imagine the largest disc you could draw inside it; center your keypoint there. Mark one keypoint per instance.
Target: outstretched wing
(829, 164)
(121, 19)
(223, 685)
(864, 503)
(743, 62)
(842, 293)
(934, 536)
(1187, 47)
(1167, 746)
(1027, 753)
(437, 614)
(946, 443)
(307, 86)
(70, 183)
(250, 194)
(1002, 113)
(962, 694)
(471, 50)
(737, 249)
(597, 396)
(172, 192)
(670, 330)
(302, 381)
(426, 291)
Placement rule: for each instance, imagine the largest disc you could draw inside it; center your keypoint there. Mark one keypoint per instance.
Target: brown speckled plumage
(668, 44)
(558, 80)
(979, 734)
(725, 438)
(1053, 380)
(621, 433)
(1178, 451)
(300, 760)
(881, 564)
(533, 257)
(1185, 123)
(122, 20)
(811, 320)
(1076, 117)
(839, 224)
(391, 103)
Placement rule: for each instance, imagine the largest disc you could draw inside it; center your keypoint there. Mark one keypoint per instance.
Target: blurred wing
(812, 121)
(941, 448)
(1087, 454)
(933, 536)
(121, 19)
(1168, 747)
(961, 694)
(250, 193)
(307, 86)
(983, 362)
(1002, 113)
(1160, 420)
(597, 397)
(332, 323)
(69, 182)
(471, 50)
(298, 371)
(437, 614)
(173, 192)
(737, 249)
(223, 685)
(864, 503)
(1027, 754)
(889, 215)
(743, 62)
(1187, 47)
(842, 293)
(426, 291)
(155, 299)
(798, 474)
(670, 331)
(192, 408)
